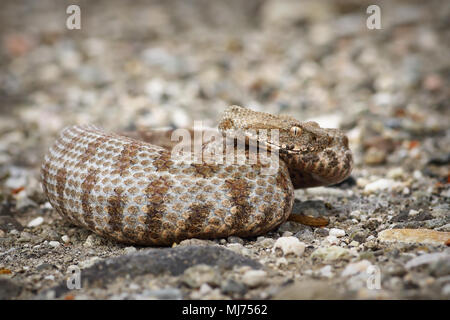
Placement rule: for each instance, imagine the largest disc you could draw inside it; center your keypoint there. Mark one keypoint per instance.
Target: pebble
(289, 245)
(332, 240)
(396, 173)
(92, 241)
(130, 249)
(162, 294)
(65, 238)
(199, 274)
(427, 259)
(336, 232)
(356, 267)
(35, 222)
(234, 239)
(414, 236)
(233, 287)
(254, 278)
(54, 244)
(326, 272)
(89, 262)
(331, 253)
(382, 184)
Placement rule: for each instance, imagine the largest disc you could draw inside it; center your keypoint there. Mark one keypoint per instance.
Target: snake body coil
(136, 192)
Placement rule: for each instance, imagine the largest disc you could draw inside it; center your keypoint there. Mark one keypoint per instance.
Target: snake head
(315, 156)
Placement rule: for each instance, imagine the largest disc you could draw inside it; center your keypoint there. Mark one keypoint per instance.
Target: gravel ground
(168, 63)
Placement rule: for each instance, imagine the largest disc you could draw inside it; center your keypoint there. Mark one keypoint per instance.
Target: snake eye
(296, 131)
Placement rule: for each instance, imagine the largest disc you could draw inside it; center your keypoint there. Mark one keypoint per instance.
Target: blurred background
(158, 63)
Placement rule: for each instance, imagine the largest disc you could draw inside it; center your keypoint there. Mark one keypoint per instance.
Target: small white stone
(254, 278)
(382, 184)
(287, 234)
(355, 214)
(289, 245)
(47, 205)
(332, 240)
(35, 222)
(65, 239)
(354, 243)
(54, 244)
(281, 261)
(357, 267)
(89, 262)
(204, 289)
(337, 232)
(395, 173)
(326, 272)
(371, 237)
(413, 212)
(49, 277)
(417, 175)
(130, 249)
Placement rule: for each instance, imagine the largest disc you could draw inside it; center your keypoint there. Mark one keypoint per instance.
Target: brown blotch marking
(44, 173)
(205, 170)
(332, 157)
(197, 218)
(163, 162)
(239, 192)
(127, 157)
(115, 208)
(283, 182)
(348, 161)
(86, 187)
(155, 208)
(61, 177)
(91, 150)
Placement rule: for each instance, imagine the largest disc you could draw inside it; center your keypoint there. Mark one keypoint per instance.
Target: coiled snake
(128, 188)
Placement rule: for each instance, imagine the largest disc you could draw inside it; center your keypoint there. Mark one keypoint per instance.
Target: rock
(54, 244)
(92, 241)
(375, 156)
(35, 222)
(9, 289)
(65, 239)
(254, 278)
(196, 242)
(336, 232)
(161, 294)
(128, 250)
(198, 275)
(234, 239)
(307, 290)
(231, 287)
(326, 272)
(158, 261)
(89, 262)
(332, 240)
(396, 173)
(382, 184)
(289, 245)
(427, 259)
(414, 236)
(44, 266)
(8, 224)
(331, 253)
(357, 267)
